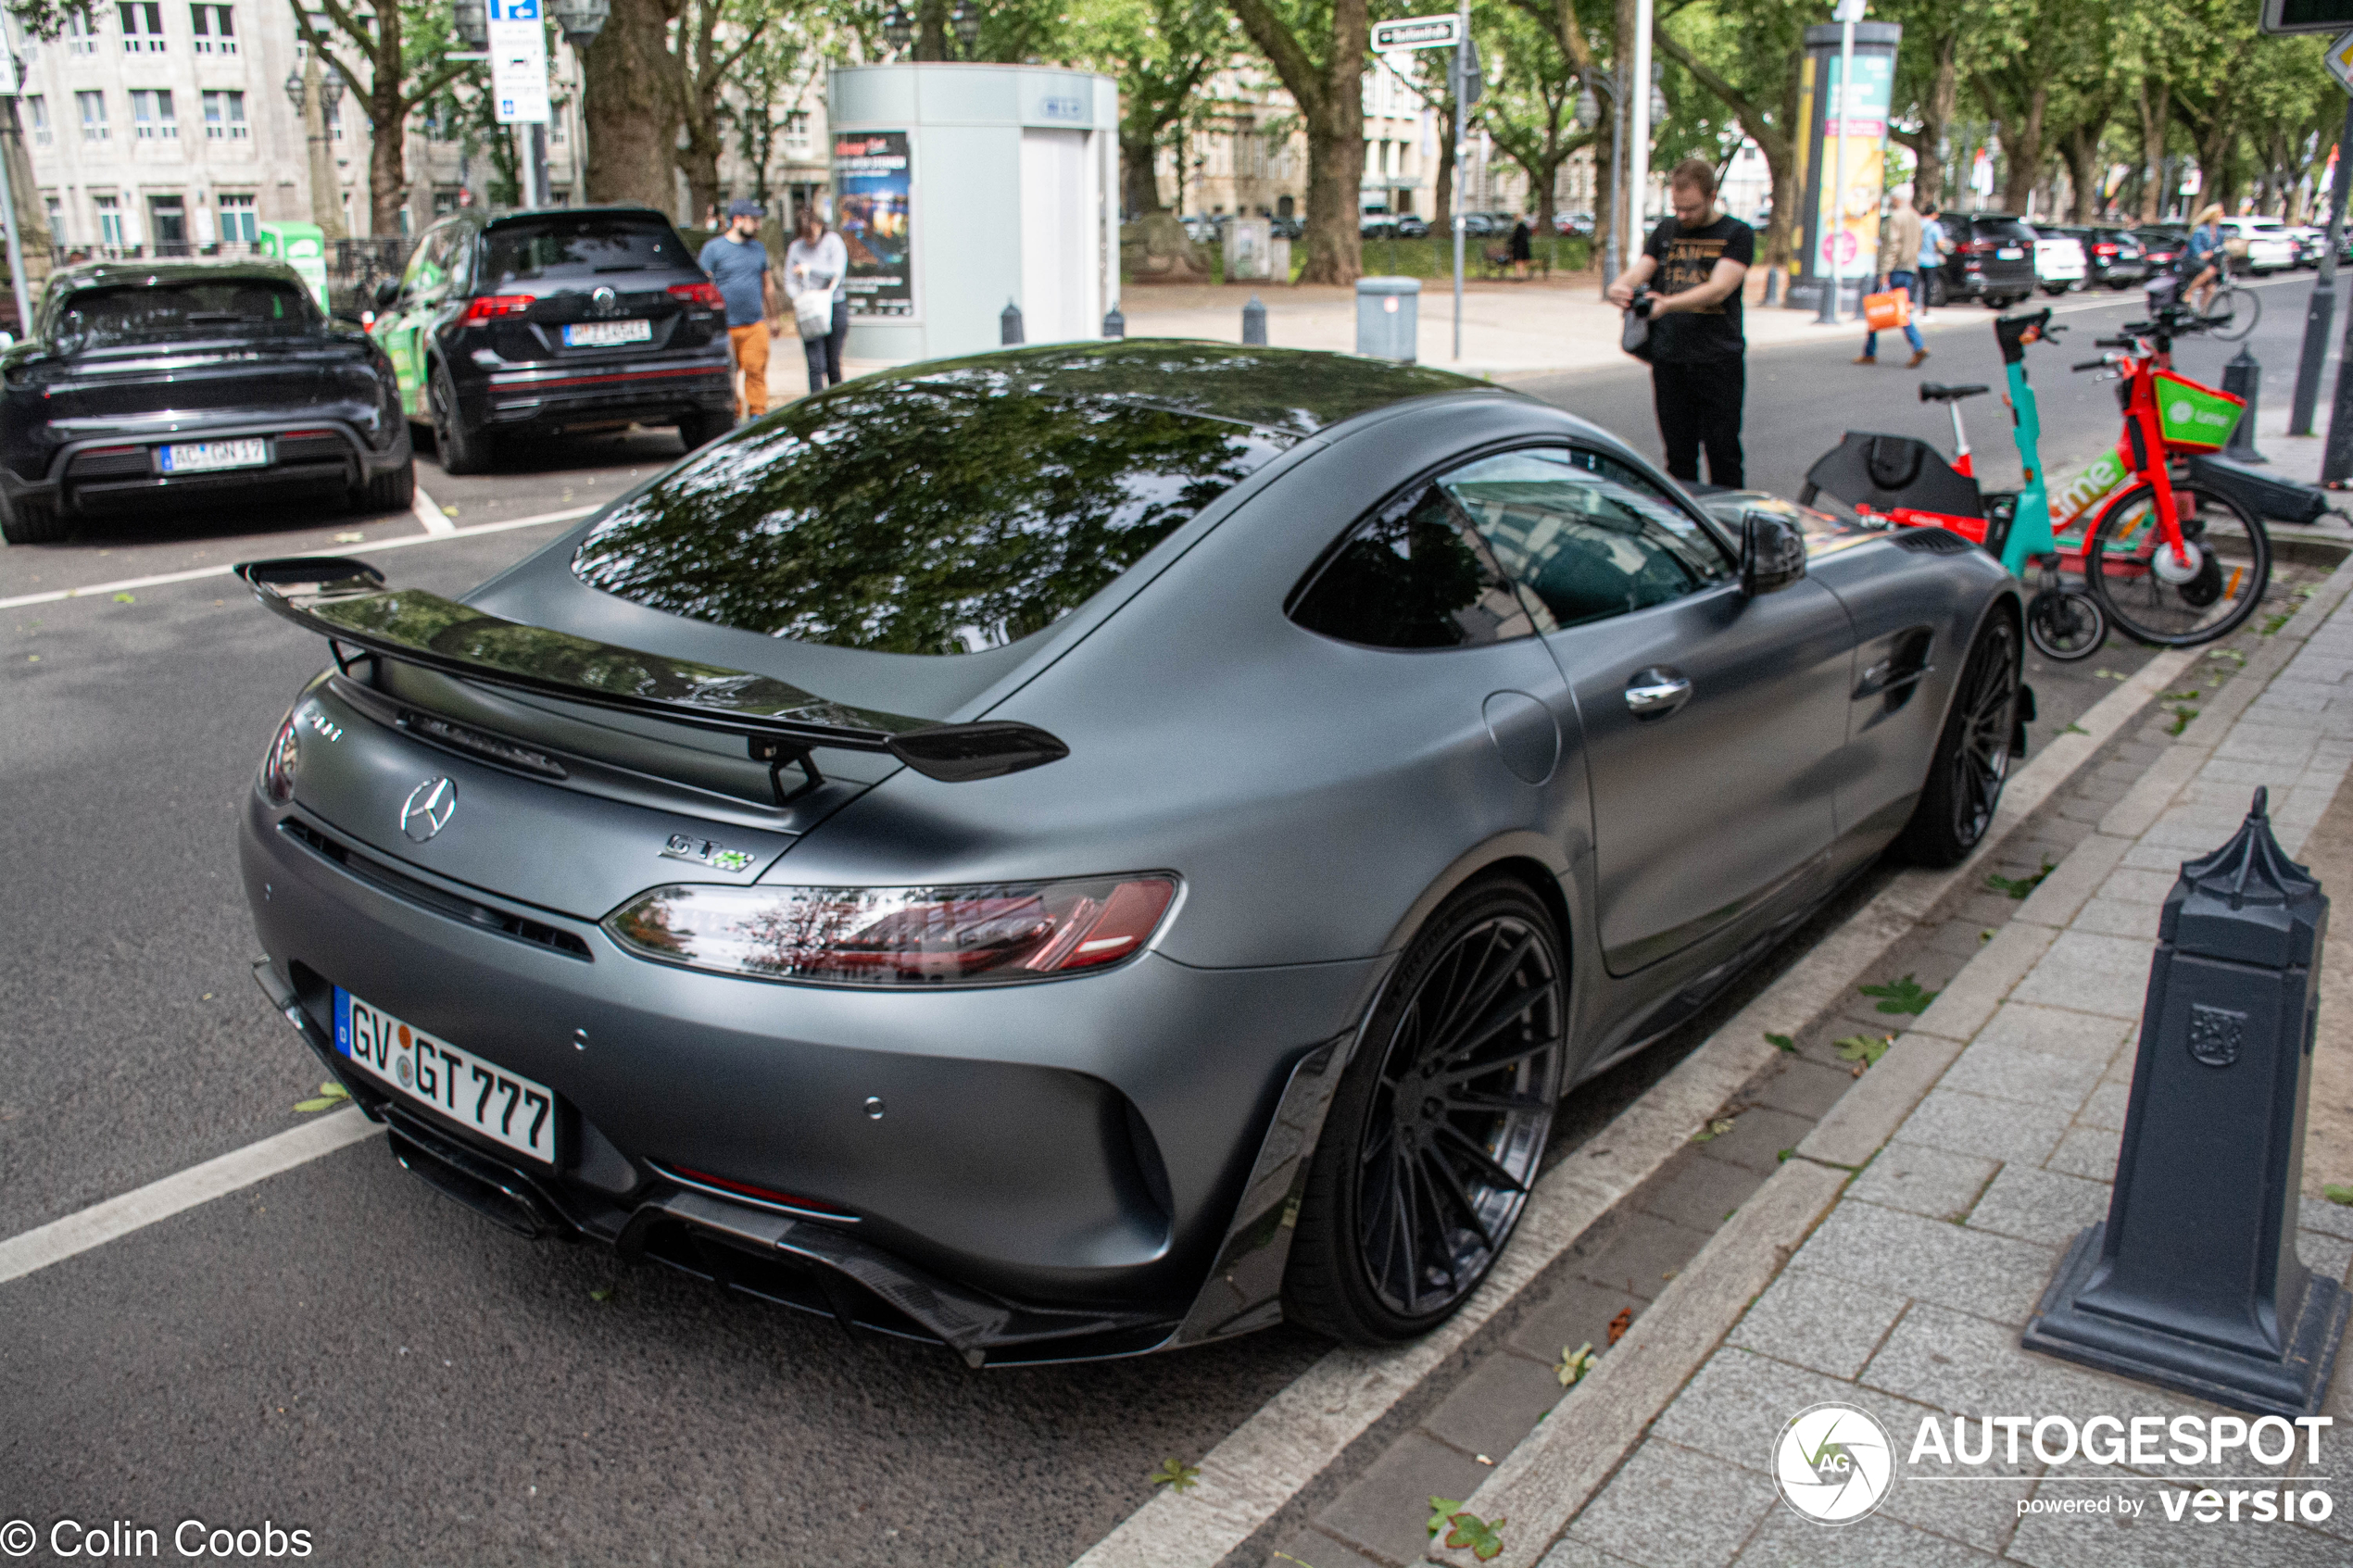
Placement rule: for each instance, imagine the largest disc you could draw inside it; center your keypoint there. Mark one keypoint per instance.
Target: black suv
(555, 320)
(2114, 255)
(1992, 258)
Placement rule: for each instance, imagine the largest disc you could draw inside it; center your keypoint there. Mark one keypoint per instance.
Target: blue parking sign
(514, 10)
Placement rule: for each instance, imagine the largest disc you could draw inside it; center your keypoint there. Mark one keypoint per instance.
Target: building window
(151, 116)
(224, 116)
(797, 134)
(56, 218)
(168, 222)
(216, 34)
(82, 34)
(142, 26)
(335, 121)
(37, 108)
(94, 115)
(109, 222)
(237, 219)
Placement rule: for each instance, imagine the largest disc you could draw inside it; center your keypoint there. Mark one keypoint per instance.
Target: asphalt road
(340, 1350)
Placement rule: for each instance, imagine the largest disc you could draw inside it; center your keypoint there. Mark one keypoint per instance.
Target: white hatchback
(2058, 263)
(2270, 247)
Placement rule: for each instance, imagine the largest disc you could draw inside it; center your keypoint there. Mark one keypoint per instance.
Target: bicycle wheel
(2066, 625)
(2233, 313)
(2156, 599)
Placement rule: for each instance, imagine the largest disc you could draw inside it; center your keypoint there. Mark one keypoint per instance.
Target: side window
(1585, 536)
(428, 274)
(1413, 575)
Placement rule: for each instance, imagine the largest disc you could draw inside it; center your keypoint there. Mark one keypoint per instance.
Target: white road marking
(95, 590)
(429, 513)
(102, 1222)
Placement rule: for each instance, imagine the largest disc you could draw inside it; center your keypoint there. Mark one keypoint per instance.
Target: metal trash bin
(1388, 318)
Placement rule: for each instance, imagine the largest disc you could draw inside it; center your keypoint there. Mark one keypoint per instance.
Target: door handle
(1656, 692)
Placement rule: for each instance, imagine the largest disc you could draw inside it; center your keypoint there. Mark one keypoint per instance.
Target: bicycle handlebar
(2090, 365)
(2115, 342)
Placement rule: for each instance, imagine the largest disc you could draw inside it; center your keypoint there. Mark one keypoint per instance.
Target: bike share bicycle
(2179, 562)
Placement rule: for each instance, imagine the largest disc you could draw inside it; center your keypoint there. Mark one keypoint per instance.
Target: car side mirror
(1772, 553)
(388, 291)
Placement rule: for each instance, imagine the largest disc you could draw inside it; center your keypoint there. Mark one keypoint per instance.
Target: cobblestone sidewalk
(1907, 1298)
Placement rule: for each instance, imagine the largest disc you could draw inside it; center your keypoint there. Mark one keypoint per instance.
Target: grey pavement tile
(2054, 1032)
(1642, 1252)
(2109, 917)
(1990, 1129)
(2091, 973)
(1981, 1511)
(2133, 884)
(1758, 1136)
(1693, 1189)
(1496, 1406)
(1816, 1321)
(1804, 1088)
(1576, 1312)
(1318, 1549)
(1976, 1368)
(2324, 1255)
(2107, 1106)
(2040, 1206)
(1735, 1406)
(2328, 1219)
(1920, 1180)
(2155, 858)
(2001, 1072)
(1570, 1553)
(1672, 1507)
(2150, 1540)
(1992, 1276)
(2087, 1151)
(1786, 1540)
(1383, 1513)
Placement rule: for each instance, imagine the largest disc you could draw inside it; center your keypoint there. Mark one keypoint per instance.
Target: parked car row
(1999, 258)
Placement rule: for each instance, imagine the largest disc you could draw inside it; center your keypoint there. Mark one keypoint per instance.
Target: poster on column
(1848, 221)
(873, 200)
(518, 62)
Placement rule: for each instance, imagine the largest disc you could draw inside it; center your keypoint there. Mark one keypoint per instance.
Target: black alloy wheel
(460, 449)
(1435, 1135)
(1972, 758)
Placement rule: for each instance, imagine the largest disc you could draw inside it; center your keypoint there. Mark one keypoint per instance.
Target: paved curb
(1299, 1434)
(1544, 1483)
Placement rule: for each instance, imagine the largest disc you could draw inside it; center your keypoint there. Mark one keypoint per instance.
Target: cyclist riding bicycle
(2203, 259)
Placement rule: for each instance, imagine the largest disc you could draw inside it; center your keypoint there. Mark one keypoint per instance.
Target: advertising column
(873, 189)
(1840, 228)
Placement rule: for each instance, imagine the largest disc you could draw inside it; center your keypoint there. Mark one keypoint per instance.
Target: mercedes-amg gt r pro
(1092, 848)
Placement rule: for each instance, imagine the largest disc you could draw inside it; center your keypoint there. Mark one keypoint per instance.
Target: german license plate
(505, 1107)
(2009, 253)
(605, 334)
(202, 456)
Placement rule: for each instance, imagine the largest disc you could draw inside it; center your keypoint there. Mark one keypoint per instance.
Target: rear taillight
(705, 295)
(2103, 250)
(993, 934)
(1978, 248)
(489, 307)
(280, 763)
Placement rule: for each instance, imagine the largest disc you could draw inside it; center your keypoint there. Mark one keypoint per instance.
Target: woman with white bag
(815, 266)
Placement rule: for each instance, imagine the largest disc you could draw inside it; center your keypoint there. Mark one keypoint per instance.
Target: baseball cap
(743, 209)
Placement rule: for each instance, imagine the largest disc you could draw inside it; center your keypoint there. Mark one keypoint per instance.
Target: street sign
(519, 68)
(2339, 59)
(1470, 78)
(2307, 16)
(1418, 32)
(514, 10)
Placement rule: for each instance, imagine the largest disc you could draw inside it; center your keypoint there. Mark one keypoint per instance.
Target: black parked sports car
(570, 319)
(1092, 847)
(172, 381)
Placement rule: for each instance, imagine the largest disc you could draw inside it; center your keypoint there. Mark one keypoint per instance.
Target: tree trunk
(2156, 121)
(1943, 98)
(1139, 181)
(1605, 188)
(931, 30)
(2083, 171)
(1335, 171)
(1442, 215)
(2024, 152)
(632, 115)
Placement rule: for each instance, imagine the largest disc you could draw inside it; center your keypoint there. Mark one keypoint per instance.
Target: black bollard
(1008, 325)
(1255, 322)
(1114, 324)
(2193, 1282)
(2243, 377)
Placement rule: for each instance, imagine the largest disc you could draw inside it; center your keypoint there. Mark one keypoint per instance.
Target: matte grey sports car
(1092, 848)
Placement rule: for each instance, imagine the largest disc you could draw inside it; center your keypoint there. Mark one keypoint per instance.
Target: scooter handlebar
(2090, 365)
(2115, 342)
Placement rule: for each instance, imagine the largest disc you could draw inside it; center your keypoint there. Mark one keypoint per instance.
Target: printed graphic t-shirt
(1685, 258)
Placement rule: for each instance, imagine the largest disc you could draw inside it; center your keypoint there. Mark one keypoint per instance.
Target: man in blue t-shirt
(737, 262)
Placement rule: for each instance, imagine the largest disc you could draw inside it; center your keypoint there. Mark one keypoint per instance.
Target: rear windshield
(910, 518)
(2002, 229)
(580, 247)
(247, 308)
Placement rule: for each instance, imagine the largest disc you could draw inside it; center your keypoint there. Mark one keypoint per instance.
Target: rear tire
(1436, 1132)
(1973, 759)
(34, 522)
(393, 492)
(460, 449)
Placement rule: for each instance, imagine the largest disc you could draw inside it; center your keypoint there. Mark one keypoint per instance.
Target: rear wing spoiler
(345, 601)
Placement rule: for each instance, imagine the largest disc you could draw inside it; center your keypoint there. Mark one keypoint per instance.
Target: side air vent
(423, 893)
(1930, 541)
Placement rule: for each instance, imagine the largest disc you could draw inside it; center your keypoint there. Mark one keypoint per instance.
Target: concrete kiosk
(960, 187)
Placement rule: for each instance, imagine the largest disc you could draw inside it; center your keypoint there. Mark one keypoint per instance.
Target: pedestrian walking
(737, 262)
(1901, 243)
(1934, 243)
(1523, 248)
(816, 273)
(1694, 264)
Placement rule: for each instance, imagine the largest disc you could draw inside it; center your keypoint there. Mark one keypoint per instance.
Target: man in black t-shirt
(1695, 263)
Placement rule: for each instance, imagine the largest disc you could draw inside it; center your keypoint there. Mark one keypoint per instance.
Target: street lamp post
(313, 91)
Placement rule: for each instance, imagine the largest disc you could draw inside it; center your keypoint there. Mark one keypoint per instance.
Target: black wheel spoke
(1505, 1015)
(1458, 1098)
(1452, 1186)
(1453, 1075)
(1476, 1001)
(1479, 1159)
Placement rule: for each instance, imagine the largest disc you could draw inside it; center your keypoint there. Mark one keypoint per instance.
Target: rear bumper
(553, 396)
(114, 471)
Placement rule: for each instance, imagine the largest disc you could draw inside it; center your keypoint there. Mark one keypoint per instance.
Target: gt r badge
(703, 852)
(429, 809)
